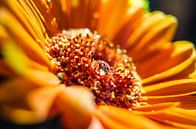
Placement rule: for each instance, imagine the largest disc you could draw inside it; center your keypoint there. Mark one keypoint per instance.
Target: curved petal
(84, 11)
(39, 102)
(95, 124)
(176, 60)
(155, 107)
(25, 67)
(171, 88)
(77, 105)
(158, 32)
(23, 39)
(52, 13)
(118, 118)
(121, 9)
(186, 100)
(26, 14)
(134, 18)
(14, 90)
(174, 115)
(148, 22)
(3, 34)
(5, 71)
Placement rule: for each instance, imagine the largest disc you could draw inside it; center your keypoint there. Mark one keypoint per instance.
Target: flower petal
(124, 10)
(95, 124)
(176, 115)
(40, 101)
(14, 91)
(3, 33)
(126, 28)
(26, 14)
(168, 63)
(118, 118)
(53, 13)
(77, 105)
(171, 87)
(186, 100)
(160, 30)
(154, 107)
(5, 71)
(21, 65)
(31, 48)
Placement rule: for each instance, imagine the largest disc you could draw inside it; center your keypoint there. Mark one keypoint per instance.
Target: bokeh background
(185, 11)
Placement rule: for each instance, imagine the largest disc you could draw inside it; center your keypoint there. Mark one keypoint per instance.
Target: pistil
(80, 57)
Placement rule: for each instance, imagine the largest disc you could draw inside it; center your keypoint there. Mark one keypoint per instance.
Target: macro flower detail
(102, 64)
(80, 57)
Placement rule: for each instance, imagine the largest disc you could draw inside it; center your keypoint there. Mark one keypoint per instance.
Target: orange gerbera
(96, 64)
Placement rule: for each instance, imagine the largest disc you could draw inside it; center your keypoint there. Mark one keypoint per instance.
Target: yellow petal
(168, 63)
(154, 107)
(23, 39)
(177, 115)
(147, 23)
(118, 118)
(171, 87)
(21, 65)
(27, 16)
(180, 125)
(77, 105)
(160, 32)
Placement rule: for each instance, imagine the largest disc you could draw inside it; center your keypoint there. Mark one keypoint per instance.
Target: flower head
(96, 64)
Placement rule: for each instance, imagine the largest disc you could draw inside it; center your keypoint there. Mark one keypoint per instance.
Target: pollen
(80, 57)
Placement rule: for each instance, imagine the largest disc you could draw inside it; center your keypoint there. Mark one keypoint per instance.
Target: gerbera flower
(96, 64)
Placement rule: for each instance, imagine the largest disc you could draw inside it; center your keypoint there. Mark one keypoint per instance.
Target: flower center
(80, 57)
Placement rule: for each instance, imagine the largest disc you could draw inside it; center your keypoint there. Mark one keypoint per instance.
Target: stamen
(83, 58)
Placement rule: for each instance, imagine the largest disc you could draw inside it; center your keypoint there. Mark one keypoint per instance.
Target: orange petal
(186, 100)
(174, 115)
(168, 63)
(171, 87)
(95, 124)
(147, 23)
(155, 107)
(40, 101)
(5, 70)
(53, 14)
(31, 48)
(3, 33)
(26, 14)
(77, 105)
(180, 125)
(123, 10)
(126, 28)
(160, 32)
(118, 118)
(15, 90)
(25, 67)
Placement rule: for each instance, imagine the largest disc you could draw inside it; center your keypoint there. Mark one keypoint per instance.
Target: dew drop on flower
(81, 57)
